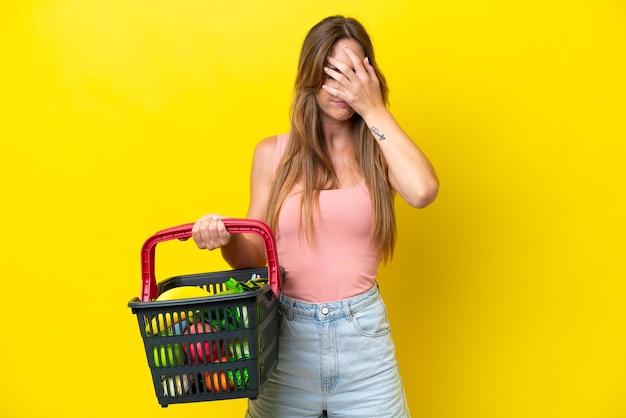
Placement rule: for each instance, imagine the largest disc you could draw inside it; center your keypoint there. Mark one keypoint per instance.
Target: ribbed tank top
(341, 261)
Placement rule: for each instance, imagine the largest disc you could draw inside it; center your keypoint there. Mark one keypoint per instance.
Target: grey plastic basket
(209, 348)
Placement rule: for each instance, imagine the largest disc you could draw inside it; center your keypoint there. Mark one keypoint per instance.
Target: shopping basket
(211, 347)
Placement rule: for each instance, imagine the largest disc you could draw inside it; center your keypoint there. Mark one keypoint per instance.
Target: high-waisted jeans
(335, 359)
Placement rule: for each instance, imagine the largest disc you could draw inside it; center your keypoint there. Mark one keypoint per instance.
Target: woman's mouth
(340, 103)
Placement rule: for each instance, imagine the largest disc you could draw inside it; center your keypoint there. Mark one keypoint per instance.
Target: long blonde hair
(306, 158)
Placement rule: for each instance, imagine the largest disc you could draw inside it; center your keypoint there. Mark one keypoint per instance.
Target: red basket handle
(149, 289)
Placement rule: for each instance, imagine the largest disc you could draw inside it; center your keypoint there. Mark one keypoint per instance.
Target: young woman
(327, 190)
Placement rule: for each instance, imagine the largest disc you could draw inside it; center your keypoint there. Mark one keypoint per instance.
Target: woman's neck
(337, 134)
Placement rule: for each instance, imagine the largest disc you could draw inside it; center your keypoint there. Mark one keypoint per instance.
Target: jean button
(325, 310)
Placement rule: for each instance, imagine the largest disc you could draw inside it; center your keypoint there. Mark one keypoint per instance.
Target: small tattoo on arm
(376, 132)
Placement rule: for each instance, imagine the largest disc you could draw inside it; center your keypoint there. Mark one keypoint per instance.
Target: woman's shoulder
(265, 152)
(272, 141)
(267, 147)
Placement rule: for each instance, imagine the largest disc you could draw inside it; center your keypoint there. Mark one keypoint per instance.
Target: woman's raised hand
(359, 85)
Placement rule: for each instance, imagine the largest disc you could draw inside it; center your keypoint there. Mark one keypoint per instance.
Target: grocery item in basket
(168, 324)
(232, 286)
(183, 292)
(218, 381)
(241, 379)
(174, 385)
(201, 352)
(167, 355)
(230, 318)
(239, 349)
(178, 328)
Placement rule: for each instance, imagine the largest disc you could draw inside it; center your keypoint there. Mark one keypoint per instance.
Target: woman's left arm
(410, 172)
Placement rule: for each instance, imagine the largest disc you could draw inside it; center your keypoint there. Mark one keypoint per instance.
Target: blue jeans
(335, 359)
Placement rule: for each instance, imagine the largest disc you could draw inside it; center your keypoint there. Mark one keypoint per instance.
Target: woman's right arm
(242, 250)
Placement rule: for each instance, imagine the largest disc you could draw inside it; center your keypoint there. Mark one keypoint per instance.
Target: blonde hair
(306, 158)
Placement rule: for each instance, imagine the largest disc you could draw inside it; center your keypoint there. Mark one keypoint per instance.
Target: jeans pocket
(372, 321)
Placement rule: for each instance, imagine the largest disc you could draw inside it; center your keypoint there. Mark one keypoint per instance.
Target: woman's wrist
(377, 122)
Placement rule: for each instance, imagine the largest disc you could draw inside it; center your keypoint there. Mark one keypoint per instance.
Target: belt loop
(346, 308)
(287, 305)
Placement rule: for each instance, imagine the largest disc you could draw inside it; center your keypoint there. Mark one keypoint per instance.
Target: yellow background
(119, 118)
